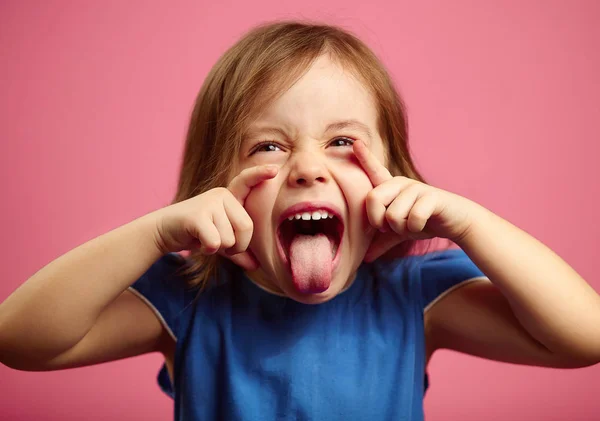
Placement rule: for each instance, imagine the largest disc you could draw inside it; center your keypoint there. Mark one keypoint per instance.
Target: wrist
(149, 224)
(476, 217)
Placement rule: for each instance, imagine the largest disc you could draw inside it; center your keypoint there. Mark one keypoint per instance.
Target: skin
(522, 316)
(535, 310)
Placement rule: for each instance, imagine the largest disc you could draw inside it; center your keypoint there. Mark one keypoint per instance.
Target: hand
(405, 209)
(215, 221)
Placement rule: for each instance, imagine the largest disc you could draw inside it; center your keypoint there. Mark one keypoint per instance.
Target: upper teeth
(315, 215)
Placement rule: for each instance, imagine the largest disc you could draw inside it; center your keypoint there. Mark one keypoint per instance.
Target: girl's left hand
(405, 209)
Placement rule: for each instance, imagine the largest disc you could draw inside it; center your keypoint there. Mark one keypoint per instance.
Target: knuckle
(214, 193)
(418, 215)
(220, 191)
(413, 188)
(397, 224)
(246, 225)
(417, 222)
(390, 214)
(398, 227)
(212, 243)
(227, 242)
(431, 195)
(372, 197)
(238, 247)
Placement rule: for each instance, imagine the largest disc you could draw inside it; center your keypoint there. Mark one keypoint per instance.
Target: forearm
(552, 302)
(58, 305)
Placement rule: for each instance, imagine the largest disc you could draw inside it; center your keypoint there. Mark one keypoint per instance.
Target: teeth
(315, 215)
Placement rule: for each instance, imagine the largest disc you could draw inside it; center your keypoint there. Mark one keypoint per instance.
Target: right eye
(266, 146)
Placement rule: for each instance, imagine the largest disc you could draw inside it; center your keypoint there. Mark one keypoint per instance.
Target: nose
(307, 170)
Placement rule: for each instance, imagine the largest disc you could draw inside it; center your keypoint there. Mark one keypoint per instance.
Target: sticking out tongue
(310, 258)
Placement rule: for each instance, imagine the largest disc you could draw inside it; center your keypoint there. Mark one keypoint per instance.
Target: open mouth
(310, 223)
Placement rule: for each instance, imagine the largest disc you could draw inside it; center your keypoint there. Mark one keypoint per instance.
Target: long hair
(263, 64)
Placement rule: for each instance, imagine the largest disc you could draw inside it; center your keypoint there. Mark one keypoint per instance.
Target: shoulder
(165, 290)
(429, 276)
(164, 276)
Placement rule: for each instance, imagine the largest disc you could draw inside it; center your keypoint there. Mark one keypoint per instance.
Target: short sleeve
(443, 271)
(161, 289)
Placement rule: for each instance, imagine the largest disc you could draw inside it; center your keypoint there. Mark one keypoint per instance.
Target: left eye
(266, 146)
(342, 141)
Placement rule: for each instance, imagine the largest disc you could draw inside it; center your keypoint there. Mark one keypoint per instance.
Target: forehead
(325, 94)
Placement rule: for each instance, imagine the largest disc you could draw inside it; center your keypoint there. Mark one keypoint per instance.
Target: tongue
(310, 258)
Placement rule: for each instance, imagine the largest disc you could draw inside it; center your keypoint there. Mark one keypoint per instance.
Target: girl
(302, 297)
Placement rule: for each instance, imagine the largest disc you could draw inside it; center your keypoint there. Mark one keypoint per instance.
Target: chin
(276, 273)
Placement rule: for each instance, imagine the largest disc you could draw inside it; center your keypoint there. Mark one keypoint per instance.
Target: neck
(259, 279)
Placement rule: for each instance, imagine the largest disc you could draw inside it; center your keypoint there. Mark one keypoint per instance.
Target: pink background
(503, 105)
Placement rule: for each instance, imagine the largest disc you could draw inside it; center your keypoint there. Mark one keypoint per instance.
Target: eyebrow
(335, 126)
(350, 124)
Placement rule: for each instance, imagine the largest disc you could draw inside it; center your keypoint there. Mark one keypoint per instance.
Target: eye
(342, 141)
(266, 146)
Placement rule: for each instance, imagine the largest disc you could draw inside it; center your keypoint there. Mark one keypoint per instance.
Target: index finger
(242, 184)
(376, 171)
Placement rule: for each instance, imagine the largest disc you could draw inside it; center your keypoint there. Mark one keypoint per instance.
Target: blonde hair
(261, 65)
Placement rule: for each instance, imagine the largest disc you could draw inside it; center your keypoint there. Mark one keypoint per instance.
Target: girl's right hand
(215, 221)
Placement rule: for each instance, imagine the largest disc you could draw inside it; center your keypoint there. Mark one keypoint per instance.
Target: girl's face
(308, 133)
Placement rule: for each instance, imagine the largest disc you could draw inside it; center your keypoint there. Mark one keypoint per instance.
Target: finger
(384, 242)
(397, 213)
(210, 240)
(375, 211)
(420, 213)
(380, 197)
(381, 244)
(375, 170)
(225, 229)
(241, 223)
(245, 260)
(242, 184)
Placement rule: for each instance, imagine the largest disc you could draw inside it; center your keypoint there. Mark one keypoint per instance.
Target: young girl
(302, 297)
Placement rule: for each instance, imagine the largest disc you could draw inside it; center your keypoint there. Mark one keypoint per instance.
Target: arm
(536, 310)
(77, 303)
(68, 313)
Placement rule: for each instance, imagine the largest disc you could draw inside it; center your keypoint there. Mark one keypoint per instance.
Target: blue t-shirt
(243, 353)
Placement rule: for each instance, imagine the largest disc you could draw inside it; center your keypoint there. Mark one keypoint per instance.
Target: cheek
(259, 205)
(355, 184)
